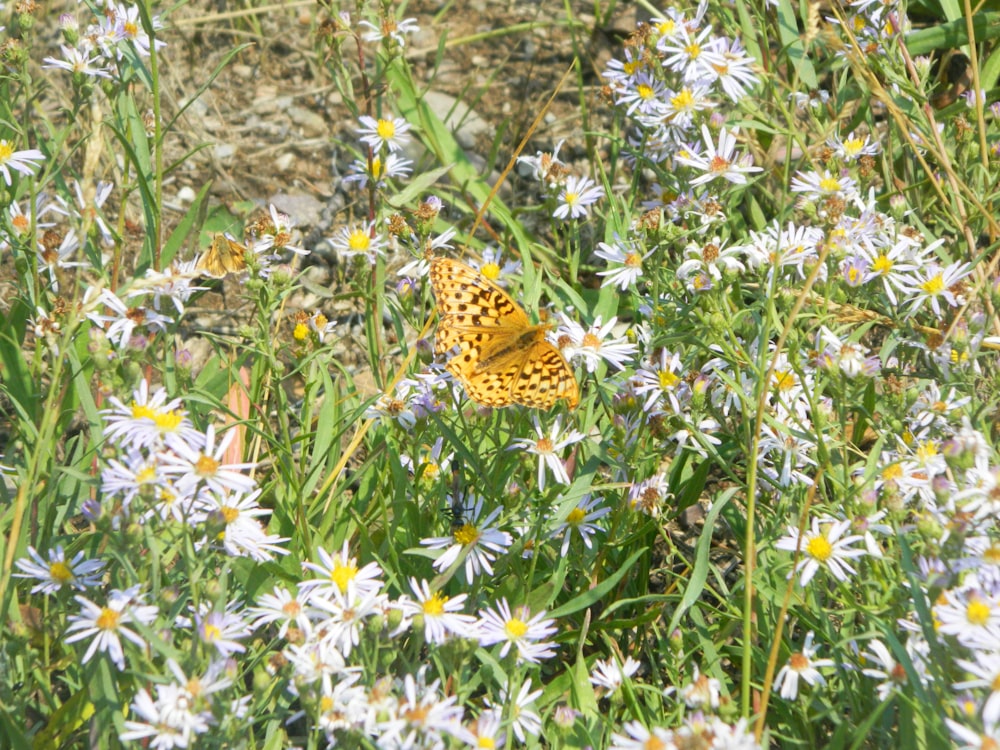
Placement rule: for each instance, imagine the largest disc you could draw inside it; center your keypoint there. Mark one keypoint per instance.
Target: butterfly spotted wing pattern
(499, 356)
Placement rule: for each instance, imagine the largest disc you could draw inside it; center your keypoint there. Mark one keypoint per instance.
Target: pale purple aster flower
(205, 466)
(548, 449)
(593, 345)
(24, 162)
(524, 719)
(576, 195)
(282, 608)
(107, 624)
(148, 420)
(822, 546)
(933, 284)
(442, 615)
(476, 539)
(57, 573)
(77, 60)
(339, 570)
(718, 161)
(384, 133)
(517, 628)
(581, 519)
(610, 675)
(222, 631)
(242, 534)
(801, 665)
(626, 260)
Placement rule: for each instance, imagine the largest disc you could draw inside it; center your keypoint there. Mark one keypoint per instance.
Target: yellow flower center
(576, 516)
(798, 662)
(416, 715)
(829, 184)
(211, 633)
(140, 411)
(819, 548)
(206, 466)
(926, 451)
(882, 265)
(852, 146)
(892, 472)
(466, 535)
(633, 260)
(229, 514)
(6, 151)
(683, 99)
(300, 332)
(645, 91)
(386, 129)
(978, 611)
(487, 743)
(108, 619)
(693, 50)
(544, 445)
(784, 380)
(667, 379)
(359, 241)
(718, 164)
(515, 628)
(435, 605)
(131, 30)
(933, 285)
(60, 571)
(168, 421)
(490, 271)
(343, 574)
(591, 341)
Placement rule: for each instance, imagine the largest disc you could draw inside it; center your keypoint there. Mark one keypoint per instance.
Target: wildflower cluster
(95, 51)
(776, 468)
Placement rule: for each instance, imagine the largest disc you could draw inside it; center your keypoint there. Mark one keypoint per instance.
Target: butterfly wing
(468, 299)
(498, 356)
(224, 256)
(545, 378)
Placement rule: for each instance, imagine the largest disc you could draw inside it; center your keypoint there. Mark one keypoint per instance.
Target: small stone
(304, 209)
(186, 195)
(223, 151)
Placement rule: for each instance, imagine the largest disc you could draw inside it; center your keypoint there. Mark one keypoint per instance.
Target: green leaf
(417, 187)
(985, 26)
(594, 595)
(699, 573)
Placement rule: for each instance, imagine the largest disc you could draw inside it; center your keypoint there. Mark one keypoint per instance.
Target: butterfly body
(224, 256)
(499, 356)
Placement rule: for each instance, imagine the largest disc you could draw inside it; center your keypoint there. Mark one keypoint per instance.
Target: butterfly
(500, 357)
(224, 256)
